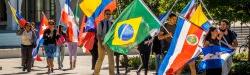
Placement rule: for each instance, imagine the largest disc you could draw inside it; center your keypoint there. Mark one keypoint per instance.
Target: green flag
(77, 12)
(133, 25)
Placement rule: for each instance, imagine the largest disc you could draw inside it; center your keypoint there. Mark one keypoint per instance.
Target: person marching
(102, 29)
(145, 49)
(50, 44)
(72, 47)
(27, 45)
(60, 46)
(212, 39)
(229, 39)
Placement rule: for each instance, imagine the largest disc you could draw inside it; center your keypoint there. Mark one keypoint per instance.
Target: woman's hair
(60, 28)
(209, 34)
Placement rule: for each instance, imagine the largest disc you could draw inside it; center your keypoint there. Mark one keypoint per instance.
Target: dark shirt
(157, 46)
(213, 42)
(229, 37)
(144, 48)
(103, 28)
(171, 29)
(49, 39)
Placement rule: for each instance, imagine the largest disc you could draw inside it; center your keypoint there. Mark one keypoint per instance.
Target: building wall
(31, 10)
(3, 15)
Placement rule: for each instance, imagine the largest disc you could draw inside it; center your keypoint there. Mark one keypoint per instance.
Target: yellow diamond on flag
(89, 6)
(198, 18)
(126, 31)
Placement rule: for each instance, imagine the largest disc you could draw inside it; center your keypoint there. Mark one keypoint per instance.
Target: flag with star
(133, 25)
(43, 26)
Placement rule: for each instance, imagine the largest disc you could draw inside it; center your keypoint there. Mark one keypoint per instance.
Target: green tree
(234, 10)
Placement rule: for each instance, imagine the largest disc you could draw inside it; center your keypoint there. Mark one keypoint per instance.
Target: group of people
(160, 46)
(54, 41)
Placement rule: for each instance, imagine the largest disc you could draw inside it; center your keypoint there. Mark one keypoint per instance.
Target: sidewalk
(12, 66)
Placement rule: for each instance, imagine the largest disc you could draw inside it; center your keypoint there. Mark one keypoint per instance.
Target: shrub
(240, 56)
(240, 68)
(135, 62)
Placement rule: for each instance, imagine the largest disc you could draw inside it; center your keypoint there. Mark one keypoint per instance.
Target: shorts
(50, 50)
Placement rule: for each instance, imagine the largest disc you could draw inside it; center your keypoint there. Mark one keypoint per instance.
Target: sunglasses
(108, 14)
(52, 23)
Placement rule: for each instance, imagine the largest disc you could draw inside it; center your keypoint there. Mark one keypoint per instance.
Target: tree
(234, 10)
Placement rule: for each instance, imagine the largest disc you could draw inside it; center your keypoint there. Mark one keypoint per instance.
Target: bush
(240, 57)
(135, 62)
(240, 68)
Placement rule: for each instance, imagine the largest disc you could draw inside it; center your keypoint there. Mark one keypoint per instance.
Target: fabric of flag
(17, 16)
(214, 57)
(133, 25)
(38, 58)
(188, 10)
(77, 13)
(94, 10)
(21, 20)
(68, 19)
(183, 48)
(186, 42)
(86, 38)
(200, 19)
(43, 26)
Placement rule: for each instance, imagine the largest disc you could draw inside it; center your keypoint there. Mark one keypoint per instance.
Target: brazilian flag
(133, 25)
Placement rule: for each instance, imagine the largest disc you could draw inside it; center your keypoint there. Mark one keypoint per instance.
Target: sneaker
(24, 68)
(48, 71)
(52, 70)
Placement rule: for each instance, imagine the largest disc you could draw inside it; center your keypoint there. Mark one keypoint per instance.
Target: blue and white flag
(214, 57)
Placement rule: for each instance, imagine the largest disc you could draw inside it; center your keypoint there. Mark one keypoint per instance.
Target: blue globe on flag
(125, 32)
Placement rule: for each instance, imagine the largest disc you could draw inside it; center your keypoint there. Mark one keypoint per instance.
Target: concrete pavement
(12, 66)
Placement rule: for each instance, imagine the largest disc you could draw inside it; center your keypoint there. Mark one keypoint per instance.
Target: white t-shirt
(26, 38)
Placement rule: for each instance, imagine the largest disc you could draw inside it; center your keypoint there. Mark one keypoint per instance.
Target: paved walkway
(12, 66)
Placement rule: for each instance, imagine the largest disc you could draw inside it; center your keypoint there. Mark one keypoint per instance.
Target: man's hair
(51, 22)
(172, 15)
(107, 10)
(226, 21)
(27, 23)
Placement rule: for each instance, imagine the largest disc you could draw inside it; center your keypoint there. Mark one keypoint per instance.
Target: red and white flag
(67, 18)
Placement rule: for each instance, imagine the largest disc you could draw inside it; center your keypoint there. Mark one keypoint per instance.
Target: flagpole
(204, 6)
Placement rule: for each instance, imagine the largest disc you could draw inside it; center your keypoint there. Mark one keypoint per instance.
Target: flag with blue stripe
(214, 57)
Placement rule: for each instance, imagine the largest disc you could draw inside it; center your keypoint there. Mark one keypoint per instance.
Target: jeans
(60, 56)
(101, 54)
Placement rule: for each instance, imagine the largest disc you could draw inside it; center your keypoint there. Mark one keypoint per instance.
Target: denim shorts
(50, 49)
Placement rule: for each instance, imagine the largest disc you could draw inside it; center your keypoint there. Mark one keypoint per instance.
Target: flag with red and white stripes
(67, 18)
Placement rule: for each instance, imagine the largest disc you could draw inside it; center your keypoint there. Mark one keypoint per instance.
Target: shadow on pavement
(66, 69)
(55, 74)
(40, 67)
(18, 67)
(64, 73)
(31, 69)
(17, 73)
